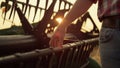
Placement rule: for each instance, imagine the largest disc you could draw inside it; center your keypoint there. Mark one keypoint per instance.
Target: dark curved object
(71, 55)
(10, 44)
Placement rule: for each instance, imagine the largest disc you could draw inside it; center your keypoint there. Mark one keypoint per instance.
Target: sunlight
(92, 10)
(59, 20)
(87, 26)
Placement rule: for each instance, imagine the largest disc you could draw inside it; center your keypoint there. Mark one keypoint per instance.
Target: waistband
(111, 22)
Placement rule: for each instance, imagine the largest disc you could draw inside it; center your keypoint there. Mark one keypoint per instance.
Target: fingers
(57, 39)
(56, 42)
(60, 44)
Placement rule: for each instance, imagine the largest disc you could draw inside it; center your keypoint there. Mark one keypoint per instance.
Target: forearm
(79, 8)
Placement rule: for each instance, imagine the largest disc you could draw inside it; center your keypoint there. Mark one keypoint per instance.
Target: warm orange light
(3, 9)
(59, 20)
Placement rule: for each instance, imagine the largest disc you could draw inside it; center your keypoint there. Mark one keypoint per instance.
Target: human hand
(57, 38)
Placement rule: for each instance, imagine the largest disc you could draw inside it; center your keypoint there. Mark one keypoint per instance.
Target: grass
(14, 30)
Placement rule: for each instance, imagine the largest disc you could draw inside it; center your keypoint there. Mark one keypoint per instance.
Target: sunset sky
(92, 10)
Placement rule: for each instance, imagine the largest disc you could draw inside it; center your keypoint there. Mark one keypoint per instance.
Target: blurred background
(8, 24)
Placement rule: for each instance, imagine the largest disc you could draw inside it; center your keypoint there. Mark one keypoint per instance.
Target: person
(109, 37)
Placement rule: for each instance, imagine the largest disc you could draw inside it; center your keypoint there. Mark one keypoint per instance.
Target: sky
(92, 11)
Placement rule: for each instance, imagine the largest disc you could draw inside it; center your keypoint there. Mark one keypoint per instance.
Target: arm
(79, 8)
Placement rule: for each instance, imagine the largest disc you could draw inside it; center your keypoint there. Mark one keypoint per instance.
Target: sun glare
(59, 20)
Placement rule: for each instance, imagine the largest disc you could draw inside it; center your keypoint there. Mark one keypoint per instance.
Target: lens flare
(59, 20)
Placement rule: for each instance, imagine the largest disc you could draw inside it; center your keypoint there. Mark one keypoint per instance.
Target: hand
(57, 38)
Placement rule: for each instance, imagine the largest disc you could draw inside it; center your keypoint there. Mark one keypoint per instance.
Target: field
(96, 55)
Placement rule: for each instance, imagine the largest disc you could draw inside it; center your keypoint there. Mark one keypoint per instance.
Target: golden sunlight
(59, 20)
(92, 10)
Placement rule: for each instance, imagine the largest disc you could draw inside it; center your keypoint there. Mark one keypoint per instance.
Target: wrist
(61, 28)
(64, 24)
